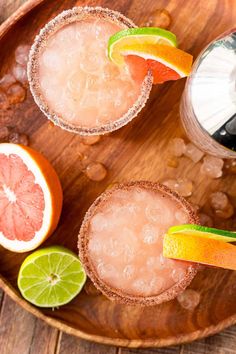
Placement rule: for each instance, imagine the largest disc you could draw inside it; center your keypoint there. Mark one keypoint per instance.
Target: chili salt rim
(113, 293)
(64, 18)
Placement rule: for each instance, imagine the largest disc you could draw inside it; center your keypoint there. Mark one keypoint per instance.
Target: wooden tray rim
(60, 325)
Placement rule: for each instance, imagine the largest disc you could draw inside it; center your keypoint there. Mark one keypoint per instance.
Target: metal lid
(212, 90)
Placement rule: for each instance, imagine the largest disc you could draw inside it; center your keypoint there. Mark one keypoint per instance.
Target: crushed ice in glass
(126, 238)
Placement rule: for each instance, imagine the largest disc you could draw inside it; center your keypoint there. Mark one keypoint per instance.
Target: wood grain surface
(20, 331)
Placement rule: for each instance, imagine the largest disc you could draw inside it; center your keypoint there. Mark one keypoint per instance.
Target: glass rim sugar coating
(65, 18)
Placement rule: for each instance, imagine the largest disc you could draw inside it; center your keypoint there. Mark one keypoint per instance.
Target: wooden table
(21, 333)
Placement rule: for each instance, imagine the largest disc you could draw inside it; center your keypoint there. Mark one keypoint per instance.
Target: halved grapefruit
(30, 198)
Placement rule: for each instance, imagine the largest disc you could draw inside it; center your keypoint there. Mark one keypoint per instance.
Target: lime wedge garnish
(203, 231)
(51, 277)
(138, 36)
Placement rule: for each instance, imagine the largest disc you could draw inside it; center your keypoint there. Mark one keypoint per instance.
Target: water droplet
(96, 171)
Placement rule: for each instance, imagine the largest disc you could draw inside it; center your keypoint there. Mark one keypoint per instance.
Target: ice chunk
(128, 271)
(154, 213)
(91, 140)
(156, 284)
(230, 166)
(52, 60)
(16, 93)
(95, 246)
(6, 81)
(173, 162)
(96, 171)
(189, 299)
(149, 234)
(212, 166)
(177, 147)
(182, 186)
(178, 274)
(219, 200)
(20, 74)
(181, 217)
(205, 220)
(4, 133)
(23, 139)
(14, 138)
(106, 271)
(113, 247)
(22, 53)
(4, 103)
(193, 153)
(98, 222)
(141, 287)
(158, 18)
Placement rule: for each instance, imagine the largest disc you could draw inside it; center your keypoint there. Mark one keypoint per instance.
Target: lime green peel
(203, 231)
(141, 35)
(51, 277)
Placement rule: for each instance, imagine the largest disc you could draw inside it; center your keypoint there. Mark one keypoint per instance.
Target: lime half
(203, 231)
(138, 37)
(51, 277)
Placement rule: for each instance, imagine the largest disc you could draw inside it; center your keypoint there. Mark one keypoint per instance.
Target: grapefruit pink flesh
(21, 200)
(139, 67)
(30, 198)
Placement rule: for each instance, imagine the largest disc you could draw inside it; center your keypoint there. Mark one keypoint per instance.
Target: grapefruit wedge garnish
(199, 249)
(161, 56)
(30, 198)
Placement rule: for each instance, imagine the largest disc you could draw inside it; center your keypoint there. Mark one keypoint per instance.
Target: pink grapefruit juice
(78, 81)
(126, 241)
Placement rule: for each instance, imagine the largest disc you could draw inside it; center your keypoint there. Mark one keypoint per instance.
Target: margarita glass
(121, 243)
(72, 79)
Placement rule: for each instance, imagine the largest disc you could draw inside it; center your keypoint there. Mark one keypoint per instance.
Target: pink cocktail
(72, 79)
(121, 242)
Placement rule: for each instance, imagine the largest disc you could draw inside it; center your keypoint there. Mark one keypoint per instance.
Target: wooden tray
(138, 151)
